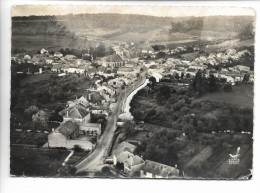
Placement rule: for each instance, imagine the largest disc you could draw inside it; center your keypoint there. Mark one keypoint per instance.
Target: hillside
(83, 29)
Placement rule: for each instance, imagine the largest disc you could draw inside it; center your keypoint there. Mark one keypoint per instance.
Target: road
(96, 159)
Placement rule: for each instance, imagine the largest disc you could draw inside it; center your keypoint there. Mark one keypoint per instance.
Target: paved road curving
(96, 159)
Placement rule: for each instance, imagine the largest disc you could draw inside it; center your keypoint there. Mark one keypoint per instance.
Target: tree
(129, 128)
(152, 81)
(212, 85)
(165, 92)
(177, 76)
(106, 171)
(40, 118)
(77, 148)
(198, 83)
(182, 75)
(30, 111)
(246, 78)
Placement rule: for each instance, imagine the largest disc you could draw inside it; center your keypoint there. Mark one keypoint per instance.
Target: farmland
(241, 95)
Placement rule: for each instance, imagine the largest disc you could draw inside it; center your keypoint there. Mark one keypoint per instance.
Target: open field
(54, 43)
(37, 139)
(29, 162)
(241, 95)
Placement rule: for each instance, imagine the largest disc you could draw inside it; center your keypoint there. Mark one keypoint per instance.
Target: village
(78, 130)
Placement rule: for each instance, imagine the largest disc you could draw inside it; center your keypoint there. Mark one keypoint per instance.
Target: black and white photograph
(132, 92)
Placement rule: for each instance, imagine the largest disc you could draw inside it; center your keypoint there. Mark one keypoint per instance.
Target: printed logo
(234, 160)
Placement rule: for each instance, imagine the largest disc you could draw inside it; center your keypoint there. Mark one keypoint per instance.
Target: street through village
(96, 159)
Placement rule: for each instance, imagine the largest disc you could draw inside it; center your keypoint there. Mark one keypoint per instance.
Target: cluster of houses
(123, 153)
(77, 128)
(171, 66)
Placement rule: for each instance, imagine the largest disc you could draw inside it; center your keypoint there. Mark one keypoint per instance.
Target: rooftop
(160, 169)
(66, 128)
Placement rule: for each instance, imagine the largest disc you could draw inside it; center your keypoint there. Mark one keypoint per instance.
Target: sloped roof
(102, 68)
(133, 161)
(159, 169)
(125, 69)
(66, 128)
(77, 113)
(191, 70)
(124, 156)
(95, 96)
(57, 66)
(83, 100)
(113, 58)
(124, 146)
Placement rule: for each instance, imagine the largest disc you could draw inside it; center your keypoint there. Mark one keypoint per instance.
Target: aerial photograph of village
(123, 92)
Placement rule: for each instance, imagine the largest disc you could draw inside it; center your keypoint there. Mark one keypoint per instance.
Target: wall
(56, 140)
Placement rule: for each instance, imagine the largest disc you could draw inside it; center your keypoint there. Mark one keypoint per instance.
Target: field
(35, 139)
(217, 165)
(32, 162)
(242, 95)
(54, 43)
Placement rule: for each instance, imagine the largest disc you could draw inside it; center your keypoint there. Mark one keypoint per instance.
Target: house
(66, 131)
(66, 135)
(147, 49)
(77, 114)
(125, 71)
(191, 71)
(242, 68)
(133, 164)
(27, 57)
(153, 169)
(100, 110)
(123, 156)
(178, 70)
(56, 67)
(49, 60)
(101, 70)
(239, 77)
(230, 79)
(82, 69)
(43, 51)
(94, 128)
(122, 147)
(83, 101)
(58, 54)
(70, 57)
(93, 97)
